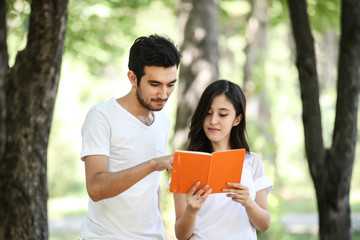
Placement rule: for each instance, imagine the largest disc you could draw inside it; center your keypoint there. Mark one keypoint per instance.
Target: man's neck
(132, 105)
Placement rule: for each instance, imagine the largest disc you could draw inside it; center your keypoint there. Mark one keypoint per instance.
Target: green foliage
(324, 15)
(98, 31)
(279, 13)
(99, 34)
(17, 26)
(233, 16)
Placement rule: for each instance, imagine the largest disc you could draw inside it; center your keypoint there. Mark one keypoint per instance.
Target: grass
(300, 205)
(66, 208)
(297, 206)
(64, 236)
(76, 207)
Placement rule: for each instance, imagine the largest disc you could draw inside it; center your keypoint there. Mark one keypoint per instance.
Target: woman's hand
(257, 209)
(186, 208)
(240, 193)
(195, 199)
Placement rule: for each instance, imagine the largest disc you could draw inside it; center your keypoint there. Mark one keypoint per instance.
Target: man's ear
(132, 77)
(237, 120)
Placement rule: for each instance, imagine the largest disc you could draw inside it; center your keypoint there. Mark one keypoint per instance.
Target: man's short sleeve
(95, 134)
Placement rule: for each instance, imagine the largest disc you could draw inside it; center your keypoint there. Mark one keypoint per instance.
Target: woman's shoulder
(252, 158)
(252, 155)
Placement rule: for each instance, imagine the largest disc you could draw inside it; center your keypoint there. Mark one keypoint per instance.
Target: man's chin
(157, 109)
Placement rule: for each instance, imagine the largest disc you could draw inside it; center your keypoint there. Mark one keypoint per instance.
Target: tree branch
(306, 64)
(345, 130)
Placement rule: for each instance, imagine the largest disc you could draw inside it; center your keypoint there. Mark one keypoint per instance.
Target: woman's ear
(132, 77)
(237, 120)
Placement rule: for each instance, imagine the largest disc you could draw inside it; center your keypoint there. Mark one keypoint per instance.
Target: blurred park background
(99, 35)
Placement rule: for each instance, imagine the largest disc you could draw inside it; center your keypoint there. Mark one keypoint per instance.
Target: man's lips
(159, 101)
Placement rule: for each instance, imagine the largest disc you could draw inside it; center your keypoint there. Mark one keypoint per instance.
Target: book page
(188, 168)
(226, 166)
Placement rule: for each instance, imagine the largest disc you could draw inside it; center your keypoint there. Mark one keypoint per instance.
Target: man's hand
(164, 162)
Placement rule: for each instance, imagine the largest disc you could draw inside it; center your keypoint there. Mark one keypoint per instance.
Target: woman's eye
(222, 115)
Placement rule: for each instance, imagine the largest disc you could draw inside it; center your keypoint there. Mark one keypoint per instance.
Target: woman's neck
(218, 146)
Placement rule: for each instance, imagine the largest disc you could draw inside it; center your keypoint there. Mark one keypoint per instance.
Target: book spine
(178, 173)
(175, 181)
(210, 169)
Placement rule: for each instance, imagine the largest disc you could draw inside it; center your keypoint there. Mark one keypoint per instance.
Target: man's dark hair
(153, 50)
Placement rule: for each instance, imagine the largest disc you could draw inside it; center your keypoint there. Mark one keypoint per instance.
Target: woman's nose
(214, 119)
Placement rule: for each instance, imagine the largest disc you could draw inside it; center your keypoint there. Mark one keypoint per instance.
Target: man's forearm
(110, 184)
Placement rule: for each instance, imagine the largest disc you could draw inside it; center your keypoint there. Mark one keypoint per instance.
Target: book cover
(215, 170)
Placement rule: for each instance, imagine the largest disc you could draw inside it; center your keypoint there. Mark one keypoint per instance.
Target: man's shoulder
(104, 106)
(162, 117)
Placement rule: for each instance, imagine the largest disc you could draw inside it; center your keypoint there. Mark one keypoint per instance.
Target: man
(124, 148)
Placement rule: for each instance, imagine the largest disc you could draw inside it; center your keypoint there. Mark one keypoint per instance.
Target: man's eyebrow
(174, 81)
(157, 82)
(154, 81)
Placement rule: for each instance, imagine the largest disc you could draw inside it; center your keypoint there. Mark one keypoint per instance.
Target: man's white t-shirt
(221, 218)
(111, 130)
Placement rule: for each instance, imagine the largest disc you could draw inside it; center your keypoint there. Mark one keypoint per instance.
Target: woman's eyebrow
(225, 109)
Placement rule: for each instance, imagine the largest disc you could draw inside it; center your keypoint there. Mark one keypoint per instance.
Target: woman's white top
(222, 218)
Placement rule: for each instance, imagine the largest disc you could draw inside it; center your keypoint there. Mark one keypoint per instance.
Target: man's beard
(147, 105)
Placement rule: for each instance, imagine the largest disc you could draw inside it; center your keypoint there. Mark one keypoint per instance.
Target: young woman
(218, 124)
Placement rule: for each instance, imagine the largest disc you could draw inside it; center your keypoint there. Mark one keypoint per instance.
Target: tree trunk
(330, 169)
(4, 58)
(31, 87)
(198, 20)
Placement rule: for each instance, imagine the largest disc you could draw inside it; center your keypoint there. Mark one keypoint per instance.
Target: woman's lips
(213, 129)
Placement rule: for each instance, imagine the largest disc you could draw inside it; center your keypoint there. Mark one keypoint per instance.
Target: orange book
(215, 170)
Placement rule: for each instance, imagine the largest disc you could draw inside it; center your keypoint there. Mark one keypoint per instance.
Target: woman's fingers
(197, 194)
(239, 193)
(206, 194)
(193, 189)
(236, 188)
(201, 191)
(195, 199)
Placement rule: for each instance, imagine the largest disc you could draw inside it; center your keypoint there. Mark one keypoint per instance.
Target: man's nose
(163, 93)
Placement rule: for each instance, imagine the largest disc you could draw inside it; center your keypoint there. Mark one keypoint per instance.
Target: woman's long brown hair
(197, 138)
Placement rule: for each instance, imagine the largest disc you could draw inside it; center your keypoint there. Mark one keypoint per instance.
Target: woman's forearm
(184, 226)
(258, 216)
